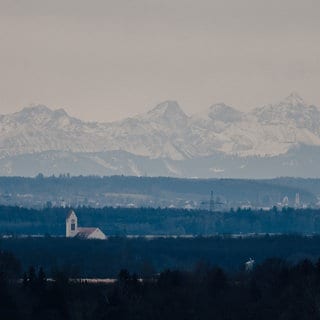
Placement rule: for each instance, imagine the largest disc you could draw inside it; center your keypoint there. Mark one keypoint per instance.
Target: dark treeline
(146, 221)
(104, 258)
(274, 289)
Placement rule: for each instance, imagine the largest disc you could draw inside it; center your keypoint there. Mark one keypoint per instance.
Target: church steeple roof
(70, 213)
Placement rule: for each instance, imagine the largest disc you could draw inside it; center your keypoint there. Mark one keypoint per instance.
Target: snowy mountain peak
(222, 112)
(40, 111)
(40, 108)
(169, 110)
(294, 99)
(291, 105)
(61, 112)
(220, 106)
(31, 115)
(295, 120)
(219, 112)
(39, 117)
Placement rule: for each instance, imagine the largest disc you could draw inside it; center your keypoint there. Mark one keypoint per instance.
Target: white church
(73, 231)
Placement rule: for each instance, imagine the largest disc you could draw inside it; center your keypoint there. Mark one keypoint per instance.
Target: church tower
(71, 224)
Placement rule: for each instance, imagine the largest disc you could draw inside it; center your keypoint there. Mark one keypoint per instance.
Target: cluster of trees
(156, 221)
(274, 289)
(104, 259)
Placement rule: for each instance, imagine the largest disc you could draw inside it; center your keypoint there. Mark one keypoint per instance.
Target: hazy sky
(108, 59)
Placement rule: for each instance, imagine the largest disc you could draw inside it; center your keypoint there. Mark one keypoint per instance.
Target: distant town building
(249, 265)
(285, 201)
(297, 200)
(214, 204)
(211, 203)
(73, 231)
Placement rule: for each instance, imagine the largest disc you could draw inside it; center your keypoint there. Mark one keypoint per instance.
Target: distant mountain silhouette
(220, 141)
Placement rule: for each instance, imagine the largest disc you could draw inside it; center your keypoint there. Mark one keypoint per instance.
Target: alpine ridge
(165, 135)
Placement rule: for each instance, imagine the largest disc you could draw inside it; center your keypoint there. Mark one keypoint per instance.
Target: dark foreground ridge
(274, 289)
(104, 258)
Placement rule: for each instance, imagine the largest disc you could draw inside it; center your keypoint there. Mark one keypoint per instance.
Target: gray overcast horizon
(108, 59)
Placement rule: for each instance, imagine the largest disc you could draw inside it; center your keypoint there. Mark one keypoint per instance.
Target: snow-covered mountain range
(163, 135)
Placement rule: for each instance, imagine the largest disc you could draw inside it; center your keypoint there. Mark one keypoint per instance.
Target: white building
(249, 265)
(72, 229)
